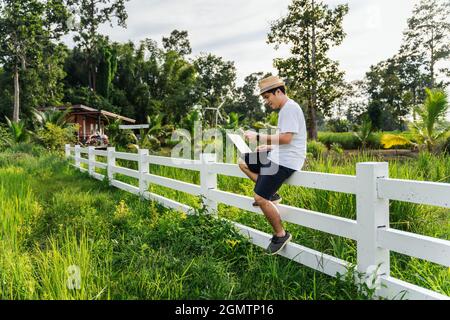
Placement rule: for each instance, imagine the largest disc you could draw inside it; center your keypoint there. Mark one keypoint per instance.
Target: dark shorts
(270, 175)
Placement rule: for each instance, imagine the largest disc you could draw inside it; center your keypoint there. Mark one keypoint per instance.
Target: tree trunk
(311, 121)
(432, 58)
(89, 74)
(312, 128)
(94, 78)
(16, 95)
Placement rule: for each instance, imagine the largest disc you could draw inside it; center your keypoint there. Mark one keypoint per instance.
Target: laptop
(239, 143)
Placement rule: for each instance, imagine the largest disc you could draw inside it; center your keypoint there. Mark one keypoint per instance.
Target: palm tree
(232, 121)
(188, 122)
(54, 116)
(430, 125)
(148, 138)
(270, 122)
(17, 132)
(364, 131)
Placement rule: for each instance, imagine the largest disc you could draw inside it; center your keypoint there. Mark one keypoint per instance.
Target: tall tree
(153, 81)
(178, 41)
(413, 77)
(92, 14)
(42, 84)
(387, 102)
(21, 25)
(107, 68)
(216, 80)
(247, 101)
(357, 102)
(427, 38)
(311, 28)
(27, 28)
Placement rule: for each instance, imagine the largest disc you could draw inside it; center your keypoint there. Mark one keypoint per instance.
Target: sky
(237, 30)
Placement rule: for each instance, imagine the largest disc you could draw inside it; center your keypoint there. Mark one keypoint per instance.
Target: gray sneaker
(278, 243)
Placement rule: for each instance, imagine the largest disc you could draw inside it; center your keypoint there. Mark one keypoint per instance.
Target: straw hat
(270, 83)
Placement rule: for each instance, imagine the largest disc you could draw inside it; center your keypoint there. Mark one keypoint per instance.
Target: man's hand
(263, 147)
(250, 135)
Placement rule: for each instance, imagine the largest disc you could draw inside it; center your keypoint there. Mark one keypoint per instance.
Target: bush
(347, 140)
(54, 137)
(165, 134)
(338, 125)
(444, 146)
(26, 148)
(336, 147)
(3, 137)
(316, 148)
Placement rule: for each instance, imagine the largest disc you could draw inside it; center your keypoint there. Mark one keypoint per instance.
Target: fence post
(143, 169)
(77, 156)
(208, 180)
(111, 162)
(67, 150)
(91, 158)
(372, 213)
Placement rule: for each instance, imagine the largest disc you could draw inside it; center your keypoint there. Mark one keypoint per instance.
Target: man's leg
(243, 166)
(272, 215)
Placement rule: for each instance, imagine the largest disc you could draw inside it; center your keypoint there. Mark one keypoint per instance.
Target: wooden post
(111, 162)
(91, 158)
(372, 213)
(77, 156)
(143, 169)
(208, 180)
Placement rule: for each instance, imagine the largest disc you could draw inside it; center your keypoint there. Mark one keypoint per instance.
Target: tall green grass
(53, 218)
(421, 219)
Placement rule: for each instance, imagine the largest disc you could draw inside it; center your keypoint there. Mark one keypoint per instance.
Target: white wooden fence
(371, 185)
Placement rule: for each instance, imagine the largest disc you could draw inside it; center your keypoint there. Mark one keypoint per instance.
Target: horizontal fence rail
(371, 185)
(311, 219)
(421, 192)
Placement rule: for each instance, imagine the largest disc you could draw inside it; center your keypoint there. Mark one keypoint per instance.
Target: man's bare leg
(272, 215)
(253, 176)
(243, 166)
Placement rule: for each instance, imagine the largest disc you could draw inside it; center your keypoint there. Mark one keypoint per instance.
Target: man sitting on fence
(272, 164)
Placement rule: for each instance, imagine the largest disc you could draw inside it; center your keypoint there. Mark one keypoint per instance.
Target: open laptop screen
(239, 143)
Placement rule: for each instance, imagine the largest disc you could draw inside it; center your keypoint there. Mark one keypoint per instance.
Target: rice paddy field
(64, 235)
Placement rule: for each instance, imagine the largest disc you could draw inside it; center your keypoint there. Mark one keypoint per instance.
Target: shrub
(444, 146)
(347, 140)
(336, 147)
(26, 148)
(338, 125)
(53, 137)
(316, 148)
(3, 138)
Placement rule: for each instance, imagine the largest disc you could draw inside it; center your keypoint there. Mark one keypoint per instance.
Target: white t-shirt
(291, 119)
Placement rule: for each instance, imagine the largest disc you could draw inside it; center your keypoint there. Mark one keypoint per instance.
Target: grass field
(57, 222)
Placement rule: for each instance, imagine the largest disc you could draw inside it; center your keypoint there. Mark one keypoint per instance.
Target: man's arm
(281, 138)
